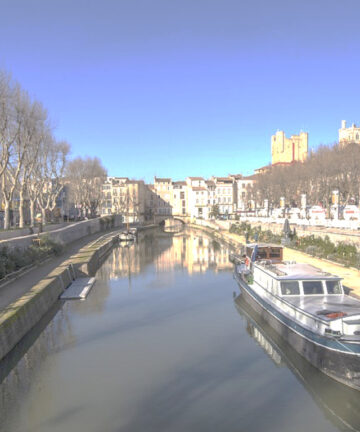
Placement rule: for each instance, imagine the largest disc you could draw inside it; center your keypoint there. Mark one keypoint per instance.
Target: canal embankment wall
(336, 235)
(22, 315)
(66, 234)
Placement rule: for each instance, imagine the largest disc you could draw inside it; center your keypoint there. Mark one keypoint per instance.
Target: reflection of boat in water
(309, 309)
(339, 402)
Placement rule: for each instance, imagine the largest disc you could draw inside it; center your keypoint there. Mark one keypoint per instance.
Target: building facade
(123, 196)
(349, 135)
(225, 194)
(288, 150)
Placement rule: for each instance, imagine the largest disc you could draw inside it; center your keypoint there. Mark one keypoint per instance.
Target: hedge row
(343, 253)
(12, 260)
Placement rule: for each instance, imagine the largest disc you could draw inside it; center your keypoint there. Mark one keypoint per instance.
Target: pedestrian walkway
(17, 288)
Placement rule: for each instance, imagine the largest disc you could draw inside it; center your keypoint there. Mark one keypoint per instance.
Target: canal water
(164, 342)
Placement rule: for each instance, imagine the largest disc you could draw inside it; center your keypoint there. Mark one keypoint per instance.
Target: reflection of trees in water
(20, 367)
(339, 403)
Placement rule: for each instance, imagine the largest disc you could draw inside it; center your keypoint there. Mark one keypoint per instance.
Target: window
(290, 288)
(313, 287)
(275, 253)
(333, 287)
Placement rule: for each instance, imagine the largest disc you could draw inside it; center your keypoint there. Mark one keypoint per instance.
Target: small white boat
(309, 309)
(127, 236)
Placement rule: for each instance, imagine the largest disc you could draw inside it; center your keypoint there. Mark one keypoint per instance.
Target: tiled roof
(196, 178)
(162, 180)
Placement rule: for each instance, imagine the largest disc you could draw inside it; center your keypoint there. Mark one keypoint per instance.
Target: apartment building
(123, 196)
(225, 194)
(242, 186)
(197, 205)
(179, 198)
(164, 191)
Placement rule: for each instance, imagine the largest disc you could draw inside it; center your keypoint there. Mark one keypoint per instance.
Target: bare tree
(35, 125)
(85, 177)
(51, 175)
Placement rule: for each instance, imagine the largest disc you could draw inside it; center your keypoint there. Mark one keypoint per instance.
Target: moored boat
(339, 403)
(309, 309)
(127, 236)
(266, 251)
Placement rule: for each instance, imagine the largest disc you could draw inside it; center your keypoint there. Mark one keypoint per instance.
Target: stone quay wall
(22, 315)
(64, 235)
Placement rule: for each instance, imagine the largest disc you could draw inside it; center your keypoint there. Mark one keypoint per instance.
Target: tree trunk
(21, 210)
(32, 213)
(43, 216)
(7, 215)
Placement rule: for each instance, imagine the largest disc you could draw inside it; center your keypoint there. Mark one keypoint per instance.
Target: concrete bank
(20, 316)
(351, 276)
(67, 234)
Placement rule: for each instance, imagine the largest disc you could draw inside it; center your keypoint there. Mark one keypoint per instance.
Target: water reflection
(22, 365)
(339, 403)
(190, 250)
(173, 360)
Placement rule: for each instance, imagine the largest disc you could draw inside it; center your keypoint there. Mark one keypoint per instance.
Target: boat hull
(340, 361)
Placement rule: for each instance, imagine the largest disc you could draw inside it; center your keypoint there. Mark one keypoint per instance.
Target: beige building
(288, 150)
(243, 187)
(225, 194)
(164, 191)
(348, 135)
(125, 197)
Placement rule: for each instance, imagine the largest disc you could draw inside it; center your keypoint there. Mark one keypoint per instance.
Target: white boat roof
(298, 271)
(314, 304)
(264, 245)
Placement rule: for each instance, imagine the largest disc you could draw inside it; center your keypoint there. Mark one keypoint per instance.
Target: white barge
(309, 309)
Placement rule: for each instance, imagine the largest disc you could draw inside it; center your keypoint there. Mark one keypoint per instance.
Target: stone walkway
(17, 288)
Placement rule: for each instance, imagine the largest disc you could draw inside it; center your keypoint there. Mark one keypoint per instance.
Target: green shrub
(15, 259)
(343, 253)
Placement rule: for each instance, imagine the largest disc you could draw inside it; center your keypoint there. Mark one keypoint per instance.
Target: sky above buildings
(186, 87)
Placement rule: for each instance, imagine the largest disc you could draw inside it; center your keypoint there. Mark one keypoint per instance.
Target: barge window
(275, 253)
(333, 287)
(313, 287)
(261, 254)
(290, 288)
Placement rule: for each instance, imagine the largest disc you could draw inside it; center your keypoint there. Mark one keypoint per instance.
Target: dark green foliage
(246, 230)
(14, 259)
(343, 253)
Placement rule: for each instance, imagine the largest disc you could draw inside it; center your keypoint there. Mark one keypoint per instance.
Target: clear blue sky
(186, 87)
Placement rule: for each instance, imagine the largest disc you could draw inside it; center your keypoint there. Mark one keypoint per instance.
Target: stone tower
(287, 150)
(348, 135)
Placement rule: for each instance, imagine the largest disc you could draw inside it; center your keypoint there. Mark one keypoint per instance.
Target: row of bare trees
(85, 177)
(32, 161)
(326, 169)
(34, 166)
